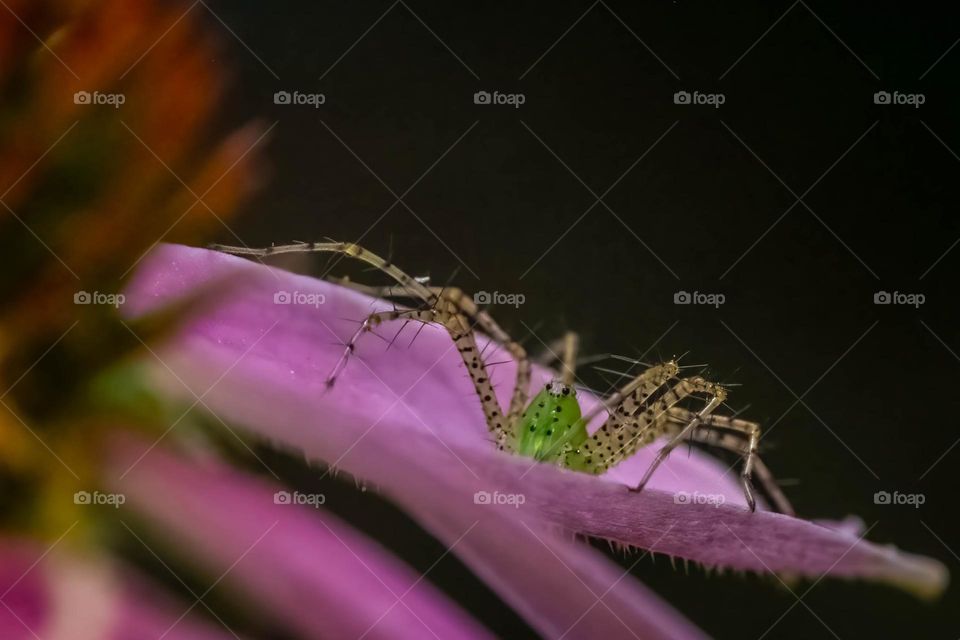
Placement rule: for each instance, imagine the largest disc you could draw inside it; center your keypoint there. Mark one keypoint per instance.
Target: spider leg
(450, 307)
(635, 392)
(374, 320)
(454, 300)
(718, 395)
(563, 350)
(641, 416)
(458, 326)
(740, 437)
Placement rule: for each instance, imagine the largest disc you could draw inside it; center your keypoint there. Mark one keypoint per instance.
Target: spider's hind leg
(740, 437)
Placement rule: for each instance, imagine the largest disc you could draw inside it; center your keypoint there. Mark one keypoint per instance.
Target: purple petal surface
(49, 593)
(313, 574)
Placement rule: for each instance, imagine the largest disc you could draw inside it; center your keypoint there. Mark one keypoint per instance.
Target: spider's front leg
(458, 326)
(693, 385)
(453, 300)
(638, 416)
(447, 306)
(374, 320)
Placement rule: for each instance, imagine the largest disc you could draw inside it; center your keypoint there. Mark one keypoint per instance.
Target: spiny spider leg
(636, 422)
(464, 304)
(564, 351)
(374, 320)
(739, 436)
(456, 310)
(458, 326)
(634, 393)
(574, 451)
(718, 395)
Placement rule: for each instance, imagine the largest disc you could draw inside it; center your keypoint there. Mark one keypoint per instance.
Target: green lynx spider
(550, 428)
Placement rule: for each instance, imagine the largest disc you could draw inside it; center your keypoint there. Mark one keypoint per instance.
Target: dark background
(878, 383)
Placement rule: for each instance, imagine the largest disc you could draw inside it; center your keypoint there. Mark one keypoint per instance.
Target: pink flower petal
(315, 575)
(262, 365)
(51, 594)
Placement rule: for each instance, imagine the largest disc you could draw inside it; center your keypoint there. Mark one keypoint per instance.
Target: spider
(550, 427)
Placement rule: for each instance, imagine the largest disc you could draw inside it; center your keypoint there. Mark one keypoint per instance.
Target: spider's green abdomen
(550, 422)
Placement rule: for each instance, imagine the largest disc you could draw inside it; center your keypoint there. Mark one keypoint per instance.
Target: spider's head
(550, 420)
